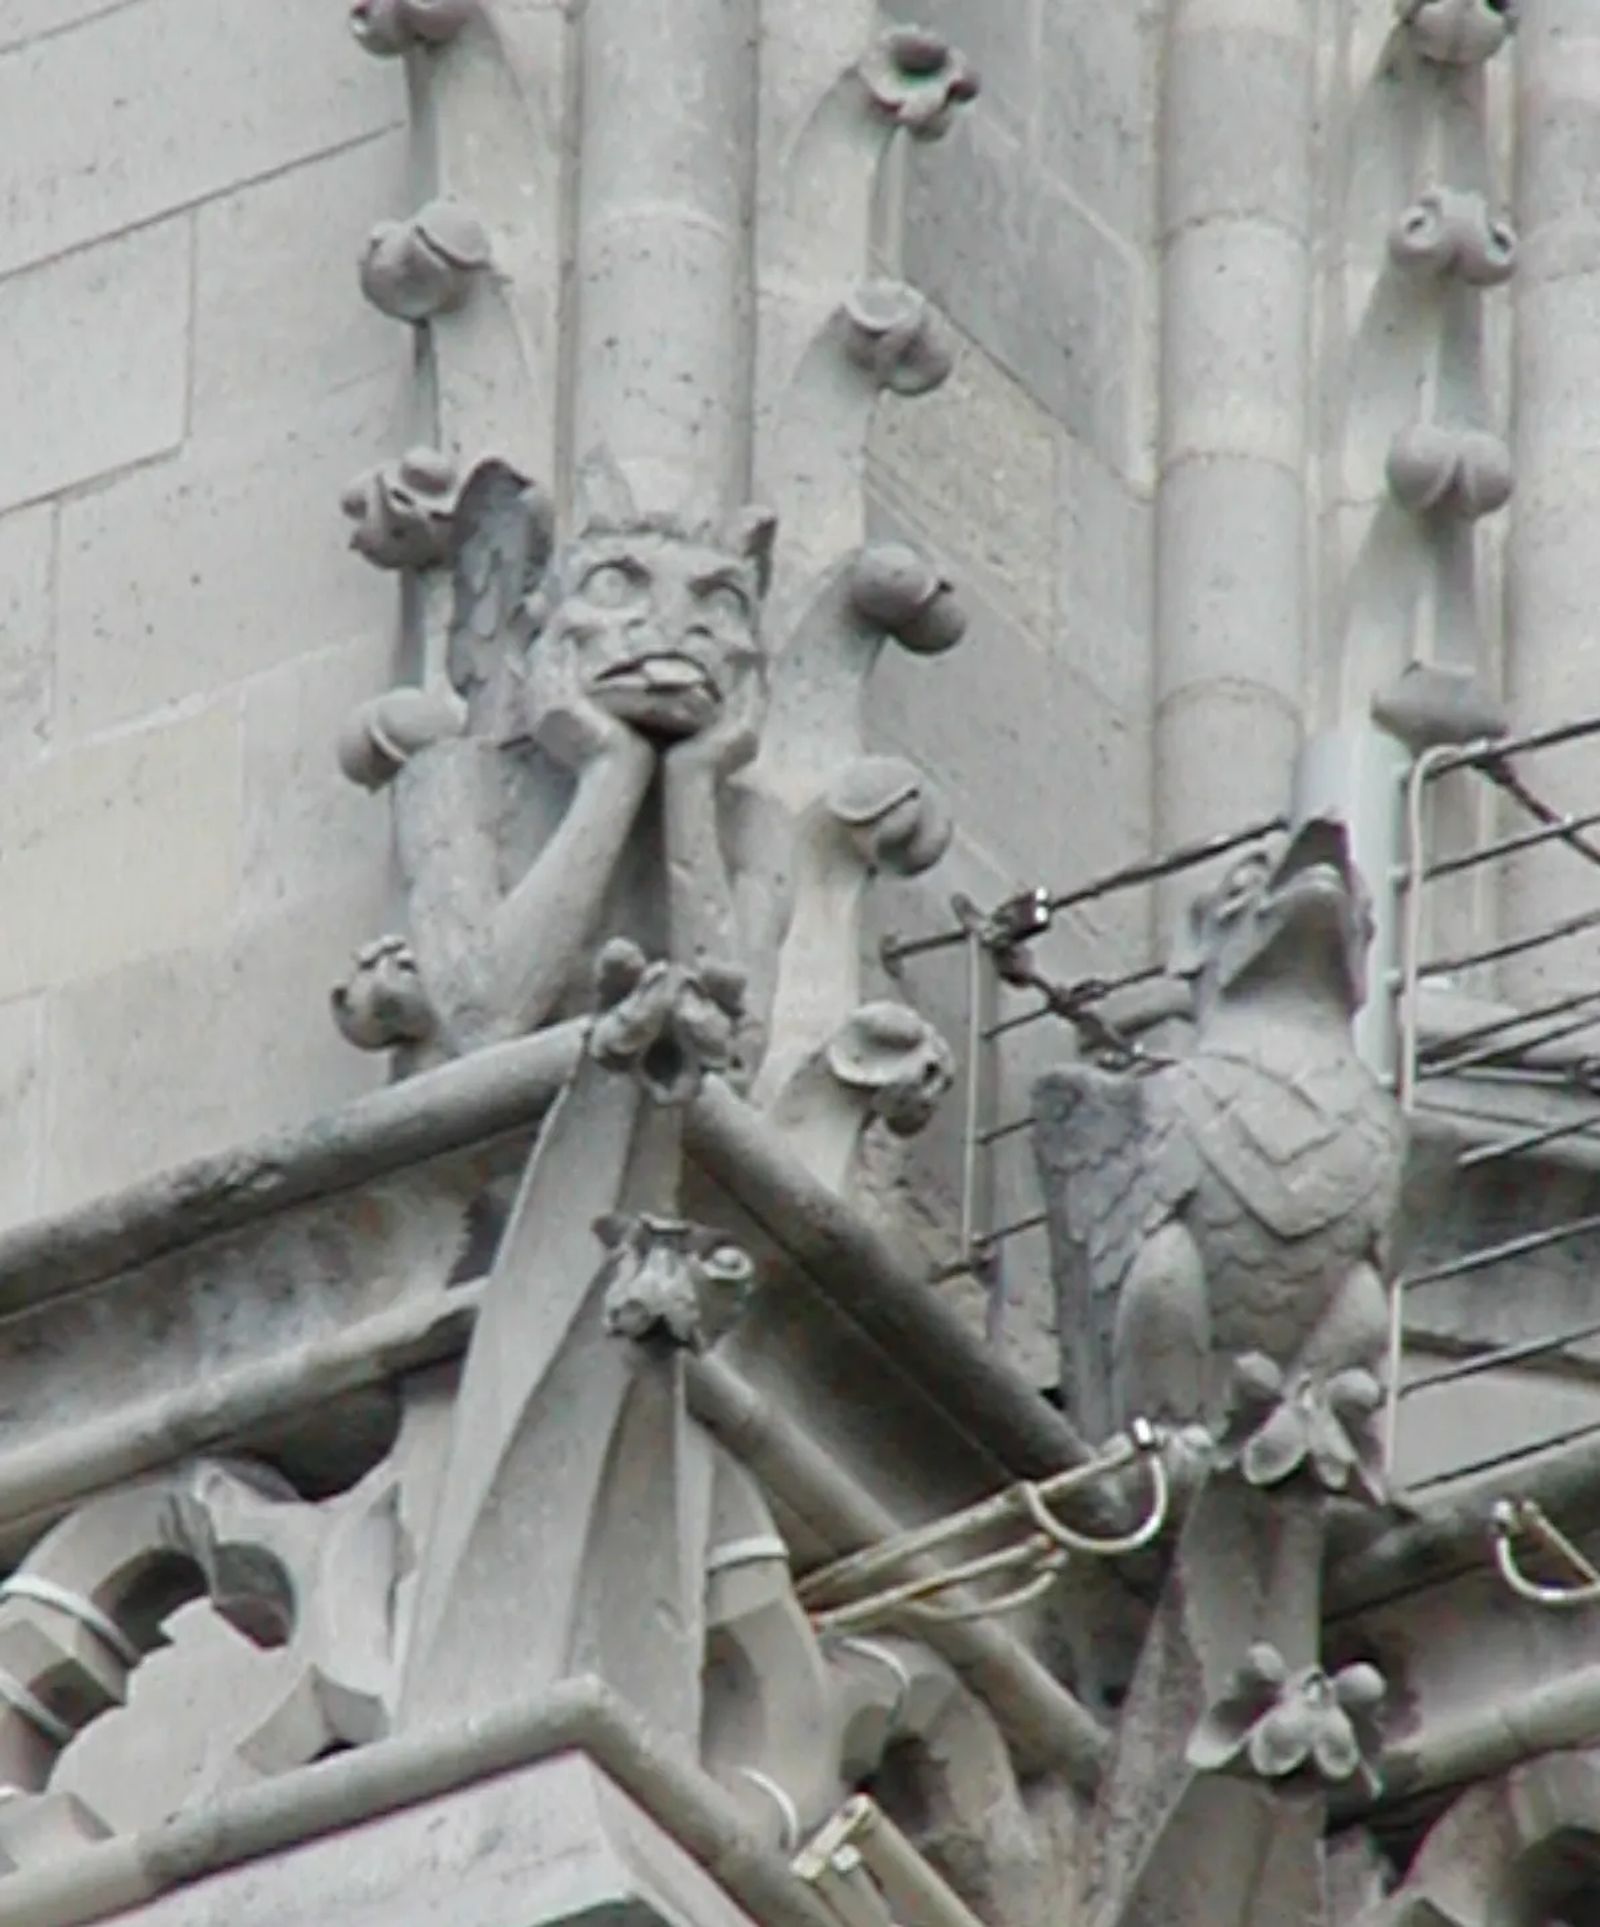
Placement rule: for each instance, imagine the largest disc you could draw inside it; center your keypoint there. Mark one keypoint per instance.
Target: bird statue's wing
(1301, 1148)
(504, 535)
(1116, 1162)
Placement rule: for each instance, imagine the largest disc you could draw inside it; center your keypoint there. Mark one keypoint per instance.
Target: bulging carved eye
(725, 602)
(611, 584)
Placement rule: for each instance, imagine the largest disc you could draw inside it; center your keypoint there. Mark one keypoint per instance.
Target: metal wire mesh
(1000, 975)
(1520, 1080)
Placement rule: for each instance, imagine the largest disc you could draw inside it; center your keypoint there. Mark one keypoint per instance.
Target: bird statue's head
(1293, 913)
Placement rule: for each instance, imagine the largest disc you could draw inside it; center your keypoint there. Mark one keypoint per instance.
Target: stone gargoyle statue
(581, 675)
(609, 745)
(1218, 1223)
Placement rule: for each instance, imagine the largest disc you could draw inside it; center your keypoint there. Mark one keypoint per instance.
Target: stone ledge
(557, 1810)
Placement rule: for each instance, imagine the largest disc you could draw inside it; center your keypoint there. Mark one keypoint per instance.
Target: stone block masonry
(190, 380)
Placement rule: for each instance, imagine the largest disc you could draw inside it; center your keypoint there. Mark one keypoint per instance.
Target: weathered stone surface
(22, 1042)
(1097, 129)
(1018, 265)
(27, 558)
(250, 1061)
(189, 576)
(950, 456)
(308, 833)
(116, 850)
(551, 1842)
(96, 361)
(26, 19)
(277, 319)
(97, 143)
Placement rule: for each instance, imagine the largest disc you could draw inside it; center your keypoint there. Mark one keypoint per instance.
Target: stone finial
(917, 79)
(1450, 231)
(1322, 1425)
(1464, 473)
(403, 511)
(893, 331)
(895, 1058)
(384, 733)
(382, 1004)
(1288, 1727)
(668, 1279)
(1459, 33)
(391, 26)
(424, 266)
(902, 593)
(667, 1026)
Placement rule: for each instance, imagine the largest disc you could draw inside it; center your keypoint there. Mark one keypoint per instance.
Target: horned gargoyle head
(1296, 910)
(656, 616)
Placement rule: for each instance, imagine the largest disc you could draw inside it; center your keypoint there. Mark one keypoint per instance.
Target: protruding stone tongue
(671, 673)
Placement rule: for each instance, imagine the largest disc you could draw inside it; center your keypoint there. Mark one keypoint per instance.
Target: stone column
(660, 353)
(1231, 536)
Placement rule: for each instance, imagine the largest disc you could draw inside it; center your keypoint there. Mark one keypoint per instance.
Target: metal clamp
(1514, 1519)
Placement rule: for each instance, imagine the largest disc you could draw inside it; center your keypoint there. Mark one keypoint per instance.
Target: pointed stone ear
(751, 533)
(604, 499)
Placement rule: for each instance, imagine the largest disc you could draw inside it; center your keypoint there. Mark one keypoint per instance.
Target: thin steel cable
(1514, 1456)
(1517, 1354)
(1491, 1255)
(1509, 846)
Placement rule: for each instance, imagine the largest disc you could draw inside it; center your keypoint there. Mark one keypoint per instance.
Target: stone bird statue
(1217, 1223)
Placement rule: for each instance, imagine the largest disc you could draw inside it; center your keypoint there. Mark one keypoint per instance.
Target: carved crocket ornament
(1218, 1223)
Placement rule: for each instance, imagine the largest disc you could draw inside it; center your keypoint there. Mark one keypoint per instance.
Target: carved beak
(1317, 890)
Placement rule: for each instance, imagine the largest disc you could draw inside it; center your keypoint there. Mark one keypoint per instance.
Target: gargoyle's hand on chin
(566, 720)
(731, 739)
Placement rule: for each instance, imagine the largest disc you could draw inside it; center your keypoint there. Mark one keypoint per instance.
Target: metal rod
(1518, 1354)
(1019, 1022)
(1505, 778)
(1530, 1141)
(1501, 1254)
(1511, 1457)
(1509, 846)
(1487, 1053)
(1183, 858)
(1513, 947)
(1003, 1131)
(1512, 1022)
(1491, 748)
(1039, 1717)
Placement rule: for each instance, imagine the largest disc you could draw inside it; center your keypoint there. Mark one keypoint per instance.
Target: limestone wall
(190, 379)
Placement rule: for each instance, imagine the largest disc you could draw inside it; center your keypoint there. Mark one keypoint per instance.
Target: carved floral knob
(382, 1003)
(1464, 472)
(391, 26)
(383, 734)
(1448, 231)
(893, 815)
(1459, 33)
(901, 592)
(1307, 1726)
(894, 1055)
(419, 268)
(918, 79)
(893, 332)
(403, 512)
